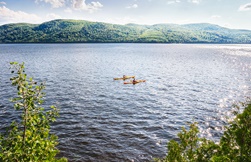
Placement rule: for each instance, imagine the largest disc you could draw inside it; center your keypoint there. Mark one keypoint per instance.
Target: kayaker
(134, 81)
(124, 76)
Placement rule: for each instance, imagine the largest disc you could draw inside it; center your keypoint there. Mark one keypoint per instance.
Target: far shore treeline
(80, 31)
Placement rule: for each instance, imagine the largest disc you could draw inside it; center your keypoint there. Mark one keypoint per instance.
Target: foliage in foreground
(234, 145)
(29, 139)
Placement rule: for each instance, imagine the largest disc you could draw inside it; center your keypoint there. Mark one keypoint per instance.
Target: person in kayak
(134, 81)
(124, 76)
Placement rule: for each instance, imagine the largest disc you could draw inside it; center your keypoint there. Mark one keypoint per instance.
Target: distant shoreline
(80, 31)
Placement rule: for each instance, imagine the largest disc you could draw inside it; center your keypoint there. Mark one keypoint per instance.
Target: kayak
(135, 82)
(124, 78)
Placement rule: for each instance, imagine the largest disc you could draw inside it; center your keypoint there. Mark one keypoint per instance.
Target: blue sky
(234, 14)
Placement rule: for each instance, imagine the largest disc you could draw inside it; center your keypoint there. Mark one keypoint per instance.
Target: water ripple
(105, 120)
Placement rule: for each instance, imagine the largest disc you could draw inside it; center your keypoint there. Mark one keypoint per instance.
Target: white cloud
(132, 6)
(194, 1)
(52, 16)
(245, 7)
(183, 21)
(215, 17)
(227, 25)
(82, 5)
(173, 1)
(68, 10)
(120, 20)
(96, 4)
(10, 16)
(54, 3)
(3, 3)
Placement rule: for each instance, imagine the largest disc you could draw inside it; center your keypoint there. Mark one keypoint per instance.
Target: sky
(234, 14)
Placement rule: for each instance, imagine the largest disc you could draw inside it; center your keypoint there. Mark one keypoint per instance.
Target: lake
(106, 120)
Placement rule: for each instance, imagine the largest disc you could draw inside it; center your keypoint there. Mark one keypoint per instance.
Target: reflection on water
(105, 120)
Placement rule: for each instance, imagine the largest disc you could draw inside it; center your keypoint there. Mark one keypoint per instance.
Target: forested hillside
(80, 31)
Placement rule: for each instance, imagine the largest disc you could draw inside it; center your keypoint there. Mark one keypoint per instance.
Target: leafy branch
(234, 145)
(30, 138)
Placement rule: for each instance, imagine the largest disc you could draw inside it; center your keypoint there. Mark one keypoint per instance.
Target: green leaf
(24, 138)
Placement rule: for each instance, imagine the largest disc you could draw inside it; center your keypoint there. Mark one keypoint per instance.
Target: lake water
(106, 120)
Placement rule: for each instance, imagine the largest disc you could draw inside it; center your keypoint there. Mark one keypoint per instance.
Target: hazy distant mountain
(69, 31)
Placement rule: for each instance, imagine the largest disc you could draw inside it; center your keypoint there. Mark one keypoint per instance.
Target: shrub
(234, 144)
(29, 139)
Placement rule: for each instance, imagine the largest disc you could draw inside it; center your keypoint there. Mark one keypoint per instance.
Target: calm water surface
(105, 120)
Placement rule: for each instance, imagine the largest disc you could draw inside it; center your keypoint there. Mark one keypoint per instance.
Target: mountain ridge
(82, 31)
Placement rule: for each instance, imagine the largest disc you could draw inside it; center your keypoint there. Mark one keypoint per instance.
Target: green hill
(80, 31)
